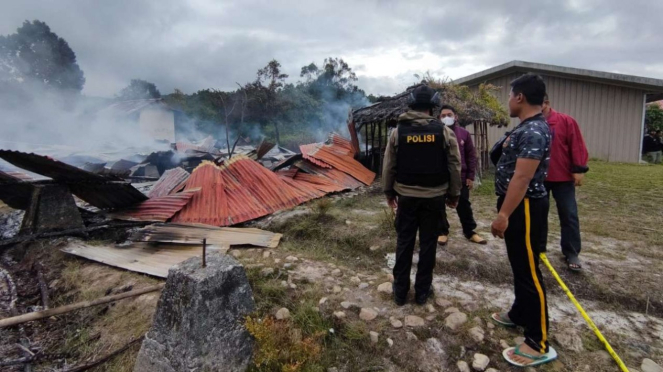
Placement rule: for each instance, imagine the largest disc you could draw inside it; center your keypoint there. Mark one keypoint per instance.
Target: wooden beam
(7, 322)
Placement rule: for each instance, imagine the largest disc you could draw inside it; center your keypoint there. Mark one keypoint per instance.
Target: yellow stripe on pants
(542, 297)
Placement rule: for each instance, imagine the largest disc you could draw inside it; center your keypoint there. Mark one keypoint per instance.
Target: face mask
(448, 121)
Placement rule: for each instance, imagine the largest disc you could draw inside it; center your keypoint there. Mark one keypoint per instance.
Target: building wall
(158, 124)
(610, 117)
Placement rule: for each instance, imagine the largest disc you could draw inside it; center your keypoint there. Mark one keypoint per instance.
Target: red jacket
(568, 153)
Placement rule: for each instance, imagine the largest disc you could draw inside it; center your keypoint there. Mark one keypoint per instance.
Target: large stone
(477, 334)
(367, 314)
(283, 314)
(455, 321)
(569, 340)
(480, 362)
(395, 322)
(649, 365)
(414, 321)
(462, 366)
(386, 288)
(198, 324)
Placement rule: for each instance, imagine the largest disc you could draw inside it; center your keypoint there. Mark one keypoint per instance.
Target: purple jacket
(468, 154)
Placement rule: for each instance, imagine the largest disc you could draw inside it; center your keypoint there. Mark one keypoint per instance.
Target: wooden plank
(141, 257)
(195, 233)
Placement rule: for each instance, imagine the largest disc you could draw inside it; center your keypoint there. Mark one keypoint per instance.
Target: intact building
(609, 108)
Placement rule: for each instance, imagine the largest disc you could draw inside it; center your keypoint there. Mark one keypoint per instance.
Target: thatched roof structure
(471, 106)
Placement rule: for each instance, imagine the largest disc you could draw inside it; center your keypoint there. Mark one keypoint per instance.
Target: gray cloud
(198, 44)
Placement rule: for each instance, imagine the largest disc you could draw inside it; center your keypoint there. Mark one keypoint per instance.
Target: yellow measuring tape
(589, 321)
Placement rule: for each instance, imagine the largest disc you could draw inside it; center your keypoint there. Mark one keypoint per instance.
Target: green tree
(35, 52)
(265, 102)
(139, 89)
(654, 117)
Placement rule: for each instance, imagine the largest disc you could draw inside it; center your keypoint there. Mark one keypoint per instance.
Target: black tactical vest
(421, 159)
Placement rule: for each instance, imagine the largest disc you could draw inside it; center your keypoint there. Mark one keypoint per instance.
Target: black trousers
(465, 214)
(426, 216)
(567, 209)
(525, 239)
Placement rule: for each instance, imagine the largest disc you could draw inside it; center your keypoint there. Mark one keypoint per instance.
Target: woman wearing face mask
(468, 160)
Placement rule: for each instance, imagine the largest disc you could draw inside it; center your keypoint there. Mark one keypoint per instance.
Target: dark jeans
(567, 208)
(465, 214)
(525, 239)
(425, 215)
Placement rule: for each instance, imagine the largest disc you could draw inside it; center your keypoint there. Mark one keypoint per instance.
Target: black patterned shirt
(530, 140)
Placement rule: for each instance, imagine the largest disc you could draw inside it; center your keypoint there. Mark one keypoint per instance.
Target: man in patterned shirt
(524, 155)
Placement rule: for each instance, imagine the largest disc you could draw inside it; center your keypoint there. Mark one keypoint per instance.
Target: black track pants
(525, 239)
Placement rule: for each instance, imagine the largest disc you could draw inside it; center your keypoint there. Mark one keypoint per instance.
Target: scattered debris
(176, 233)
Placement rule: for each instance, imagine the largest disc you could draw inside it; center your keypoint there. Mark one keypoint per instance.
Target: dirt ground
(332, 260)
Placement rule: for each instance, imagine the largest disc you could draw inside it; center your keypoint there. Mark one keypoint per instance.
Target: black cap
(423, 97)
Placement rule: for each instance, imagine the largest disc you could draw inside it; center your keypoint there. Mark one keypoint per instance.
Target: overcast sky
(197, 44)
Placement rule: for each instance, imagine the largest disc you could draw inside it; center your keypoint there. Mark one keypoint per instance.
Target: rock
(277, 260)
(390, 342)
(411, 336)
(266, 254)
(649, 365)
(236, 253)
(385, 288)
(430, 308)
(267, 271)
(430, 318)
(490, 326)
(477, 334)
(288, 266)
(462, 366)
(336, 272)
(349, 305)
(322, 301)
(504, 344)
(492, 370)
(284, 283)
(339, 315)
(374, 248)
(293, 286)
(452, 310)
(476, 320)
(374, 337)
(435, 353)
(569, 340)
(198, 324)
(367, 314)
(292, 259)
(480, 362)
(363, 285)
(414, 321)
(602, 355)
(470, 306)
(316, 309)
(443, 303)
(283, 314)
(395, 322)
(455, 321)
(355, 280)
(518, 340)
(348, 222)
(337, 289)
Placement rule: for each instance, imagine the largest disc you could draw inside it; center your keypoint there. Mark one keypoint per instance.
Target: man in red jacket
(468, 156)
(568, 165)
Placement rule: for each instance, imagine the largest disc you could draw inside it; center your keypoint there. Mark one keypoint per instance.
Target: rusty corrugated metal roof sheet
(339, 177)
(158, 209)
(105, 192)
(210, 205)
(337, 154)
(320, 182)
(305, 188)
(168, 182)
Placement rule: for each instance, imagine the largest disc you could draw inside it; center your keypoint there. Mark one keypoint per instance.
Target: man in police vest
(421, 167)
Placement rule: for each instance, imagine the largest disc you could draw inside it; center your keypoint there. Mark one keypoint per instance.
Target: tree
(654, 117)
(36, 53)
(335, 73)
(139, 89)
(265, 91)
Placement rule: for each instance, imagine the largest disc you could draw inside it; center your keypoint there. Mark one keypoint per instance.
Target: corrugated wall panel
(610, 117)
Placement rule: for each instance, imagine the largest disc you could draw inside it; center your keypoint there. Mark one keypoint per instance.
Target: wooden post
(204, 252)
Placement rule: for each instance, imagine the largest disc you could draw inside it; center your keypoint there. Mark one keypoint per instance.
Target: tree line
(269, 105)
